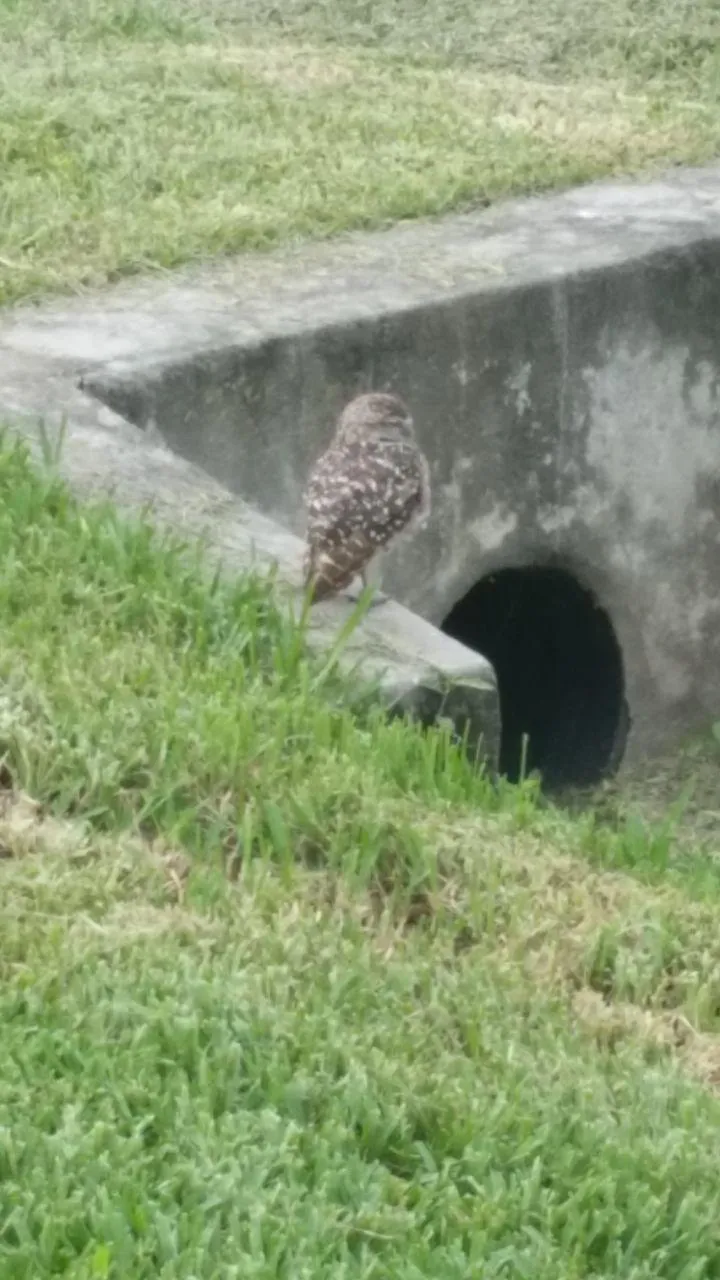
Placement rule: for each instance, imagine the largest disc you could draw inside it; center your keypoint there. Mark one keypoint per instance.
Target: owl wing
(358, 499)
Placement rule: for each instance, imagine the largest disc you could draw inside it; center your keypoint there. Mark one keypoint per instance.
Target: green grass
(137, 695)
(291, 991)
(139, 134)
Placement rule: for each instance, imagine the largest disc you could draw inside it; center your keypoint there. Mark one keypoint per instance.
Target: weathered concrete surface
(562, 360)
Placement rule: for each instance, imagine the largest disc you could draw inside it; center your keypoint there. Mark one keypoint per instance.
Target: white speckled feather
(371, 485)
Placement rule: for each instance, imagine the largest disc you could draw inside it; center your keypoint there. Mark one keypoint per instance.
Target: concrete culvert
(559, 669)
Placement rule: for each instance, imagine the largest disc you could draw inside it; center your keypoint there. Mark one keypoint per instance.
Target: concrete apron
(561, 358)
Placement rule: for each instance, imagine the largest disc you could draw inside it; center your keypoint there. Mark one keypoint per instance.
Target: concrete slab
(561, 358)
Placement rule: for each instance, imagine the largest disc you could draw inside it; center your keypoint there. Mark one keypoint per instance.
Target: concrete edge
(255, 298)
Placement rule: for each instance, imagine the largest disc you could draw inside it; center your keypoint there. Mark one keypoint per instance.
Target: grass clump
(139, 136)
(289, 990)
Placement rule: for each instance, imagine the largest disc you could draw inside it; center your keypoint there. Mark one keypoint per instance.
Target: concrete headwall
(561, 357)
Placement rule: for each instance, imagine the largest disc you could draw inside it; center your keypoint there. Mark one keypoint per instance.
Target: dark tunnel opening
(559, 670)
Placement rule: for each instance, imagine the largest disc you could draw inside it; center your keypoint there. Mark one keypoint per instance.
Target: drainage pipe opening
(559, 670)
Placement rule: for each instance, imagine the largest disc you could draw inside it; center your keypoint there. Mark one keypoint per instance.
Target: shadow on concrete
(559, 668)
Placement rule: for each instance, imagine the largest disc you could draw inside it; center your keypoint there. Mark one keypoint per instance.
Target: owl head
(378, 415)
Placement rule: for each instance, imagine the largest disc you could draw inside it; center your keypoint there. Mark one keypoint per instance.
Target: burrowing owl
(372, 484)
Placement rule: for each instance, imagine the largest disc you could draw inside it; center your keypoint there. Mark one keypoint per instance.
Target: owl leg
(370, 576)
(372, 580)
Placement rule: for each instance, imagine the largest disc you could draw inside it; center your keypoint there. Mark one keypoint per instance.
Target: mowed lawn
(290, 991)
(139, 134)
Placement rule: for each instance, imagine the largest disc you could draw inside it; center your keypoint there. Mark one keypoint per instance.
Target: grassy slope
(287, 991)
(136, 134)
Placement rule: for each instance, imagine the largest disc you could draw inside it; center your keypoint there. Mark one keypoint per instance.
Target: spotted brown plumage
(370, 485)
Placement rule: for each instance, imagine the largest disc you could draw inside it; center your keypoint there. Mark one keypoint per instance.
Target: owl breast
(359, 498)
